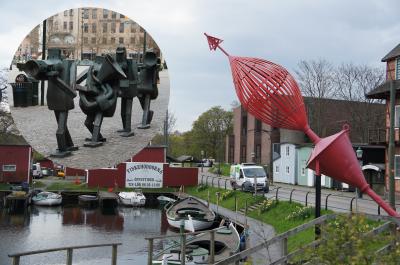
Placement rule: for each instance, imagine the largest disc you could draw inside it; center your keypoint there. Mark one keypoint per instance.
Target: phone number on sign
(145, 185)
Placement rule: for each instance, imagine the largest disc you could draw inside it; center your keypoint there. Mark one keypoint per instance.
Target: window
(258, 126)
(112, 40)
(65, 13)
(396, 167)
(85, 13)
(71, 25)
(287, 169)
(56, 25)
(93, 41)
(71, 12)
(121, 40)
(85, 27)
(121, 16)
(397, 117)
(398, 68)
(132, 40)
(85, 40)
(9, 168)
(303, 171)
(276, 148)
(244, 125)
(287, 150)
(94, 28)
(94, 13)
(121, 27)
(277, 169)
(65, 25)
(113, 15)
(104, 40)
(105, 13)
(113, 27)
(104, 27)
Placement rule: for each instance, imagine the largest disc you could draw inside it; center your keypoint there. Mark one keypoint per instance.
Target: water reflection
(48, 227)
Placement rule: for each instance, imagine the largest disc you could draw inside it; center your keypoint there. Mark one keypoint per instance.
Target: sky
(282, 31)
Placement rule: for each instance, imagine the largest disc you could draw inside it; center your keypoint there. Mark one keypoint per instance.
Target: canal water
(52, 227)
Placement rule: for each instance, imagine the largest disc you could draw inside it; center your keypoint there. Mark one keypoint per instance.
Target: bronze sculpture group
(108, 77)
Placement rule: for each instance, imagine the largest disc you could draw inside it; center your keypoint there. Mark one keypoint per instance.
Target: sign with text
(144, 175)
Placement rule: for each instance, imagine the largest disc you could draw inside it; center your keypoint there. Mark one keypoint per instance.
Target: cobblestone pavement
(38, 126)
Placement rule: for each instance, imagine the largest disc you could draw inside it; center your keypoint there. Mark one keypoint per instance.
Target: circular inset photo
(89, 88)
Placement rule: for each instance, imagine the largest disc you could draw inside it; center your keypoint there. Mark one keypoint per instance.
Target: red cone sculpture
(271, 94)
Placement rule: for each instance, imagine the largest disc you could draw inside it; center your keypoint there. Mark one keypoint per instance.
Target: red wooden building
(15, 163)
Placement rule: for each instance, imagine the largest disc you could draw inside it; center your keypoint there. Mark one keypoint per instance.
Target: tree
(209, 131)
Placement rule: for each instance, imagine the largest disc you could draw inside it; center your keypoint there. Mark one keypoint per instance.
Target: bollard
(218, 182)
(207, 180)
(208, 198)
(212, 246)
(379, 210)
(290, 199)
(276, 196)
(351, 204)
(326, 201)
(225, 183)
(150, 252)
(183, 242)
(202, 177)
(114, 255)
(212, 182)
(69, 256)
(307, 197)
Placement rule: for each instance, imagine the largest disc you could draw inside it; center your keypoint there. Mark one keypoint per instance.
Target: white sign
(144, 175)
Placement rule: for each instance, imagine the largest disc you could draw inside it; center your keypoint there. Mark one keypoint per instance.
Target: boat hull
(197, 224)
(47, 202)
(128, 202)
(132, 199)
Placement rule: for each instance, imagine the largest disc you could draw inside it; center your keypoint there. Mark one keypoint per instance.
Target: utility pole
(166, 131)
(391, 145)
(43, 58)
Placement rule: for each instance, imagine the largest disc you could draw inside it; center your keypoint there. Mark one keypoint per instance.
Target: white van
(243, 176)
(37, 171)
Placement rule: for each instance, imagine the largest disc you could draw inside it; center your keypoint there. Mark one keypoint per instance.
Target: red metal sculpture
(271, 94)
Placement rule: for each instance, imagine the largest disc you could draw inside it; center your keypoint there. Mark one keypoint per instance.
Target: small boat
(227, 242)
(132, 198)
(47, 198)
(195, 214)
(163, 200)
(88, 200)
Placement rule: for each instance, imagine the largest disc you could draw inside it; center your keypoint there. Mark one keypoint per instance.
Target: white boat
(195, 214)
(47, 198)
(132, 198)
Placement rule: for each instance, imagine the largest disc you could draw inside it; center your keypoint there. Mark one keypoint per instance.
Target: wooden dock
(17, 201)
(107, 199)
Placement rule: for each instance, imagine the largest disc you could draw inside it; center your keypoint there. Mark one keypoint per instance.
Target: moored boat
(227, 242)
(132, 198)
(195, 214)
(88, 200)
(47, 198)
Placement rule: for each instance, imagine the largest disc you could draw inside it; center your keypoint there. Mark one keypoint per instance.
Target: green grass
(228, 203)
(38, 184)
(4, 186)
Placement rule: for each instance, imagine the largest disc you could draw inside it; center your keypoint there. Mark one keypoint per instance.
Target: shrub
(266, 205)
(201, 188)
(226, 195)
(301, 213)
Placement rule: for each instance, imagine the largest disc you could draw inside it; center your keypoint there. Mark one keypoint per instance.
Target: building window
(93, 40)
(71, 12)
(9, 168)
(276, 148)
(65, 25)
(71, 25)
(56, 25)
(85, 13)
(65, 13)
(121, 40)
(85, 40)
(397, 117)
(94, 13)
(94, 28)
(104, 40)
(85, 27)
(276, 169)
(258, 126)
(104, 27)
(132, 40)
(397, 166)
(244, 125)
(398, 68)
(287, 150)
(121, 16)
(287, 169)
(112, 40)
(121, 28)
(113, 27)
(105, 13)
(113, 15)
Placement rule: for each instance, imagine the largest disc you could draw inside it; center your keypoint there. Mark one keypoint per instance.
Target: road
(337, 201)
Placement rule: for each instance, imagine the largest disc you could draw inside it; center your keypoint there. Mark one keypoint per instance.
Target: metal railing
(17, 256)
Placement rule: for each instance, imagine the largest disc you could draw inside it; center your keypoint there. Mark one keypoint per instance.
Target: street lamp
(359, 154)
(202, 160)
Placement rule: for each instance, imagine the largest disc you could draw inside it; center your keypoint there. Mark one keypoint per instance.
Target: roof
(8, 139)
(395, 52)
(383, 91)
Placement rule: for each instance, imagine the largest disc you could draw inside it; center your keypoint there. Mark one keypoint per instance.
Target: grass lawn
(229, 202)
(4, 186)
(225, 169)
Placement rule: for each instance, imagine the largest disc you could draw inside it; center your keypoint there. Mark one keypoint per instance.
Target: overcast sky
(284, 32)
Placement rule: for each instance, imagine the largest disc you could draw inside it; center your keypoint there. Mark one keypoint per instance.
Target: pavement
(38, 126)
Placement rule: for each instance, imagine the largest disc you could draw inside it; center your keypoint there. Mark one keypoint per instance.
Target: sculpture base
(127, 134)
(144, 126)
(93, 144)
(100, 140)
(73, 148)
(60, 154)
